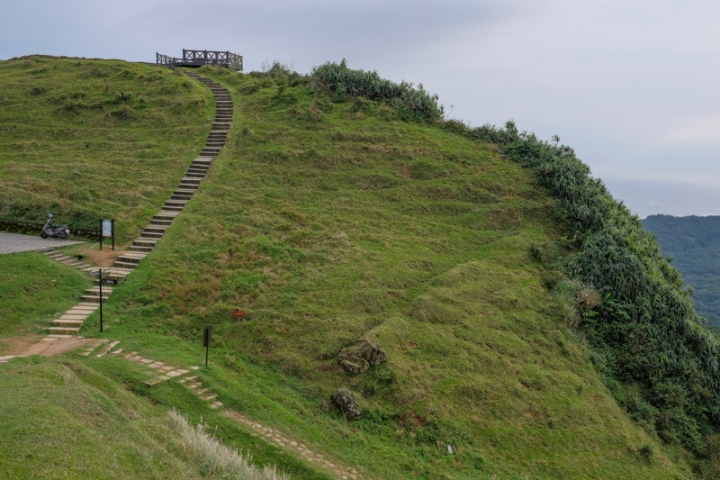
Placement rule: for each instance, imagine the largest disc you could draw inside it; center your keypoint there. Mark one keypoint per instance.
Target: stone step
(199, 169)
(156, 229)
(65, 330)
(164, 216)
(144, 242)
(176, 202)
(154, 235)
(75, 316)
(131, 258)
(209, 398)
(68, 323)
(194, 175)
(106, 349)
(116, 273)
(138, 248)
(93, 298)
(181, 196)
(173, 208)
(191, 181)
(125, 265)
(97, 289)
(212, 142)
(79, 312)
(159, 223)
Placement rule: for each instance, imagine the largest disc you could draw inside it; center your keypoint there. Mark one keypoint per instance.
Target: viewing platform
(198, 58)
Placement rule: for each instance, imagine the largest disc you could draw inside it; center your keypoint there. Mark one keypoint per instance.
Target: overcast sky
(633, 85)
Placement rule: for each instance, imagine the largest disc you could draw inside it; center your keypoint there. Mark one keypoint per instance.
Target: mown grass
(328, 222)
(86, 139)
(33, 290)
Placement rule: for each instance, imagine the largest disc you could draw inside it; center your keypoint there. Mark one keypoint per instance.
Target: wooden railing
(197, 58)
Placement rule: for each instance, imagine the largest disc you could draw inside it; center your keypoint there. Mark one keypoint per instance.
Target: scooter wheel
(63, 236)
(43, 234)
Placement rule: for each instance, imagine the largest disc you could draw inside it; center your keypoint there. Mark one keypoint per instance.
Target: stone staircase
(199, 167)
(72, 320)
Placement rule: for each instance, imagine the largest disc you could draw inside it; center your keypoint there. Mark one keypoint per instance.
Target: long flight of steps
(72, 320)
(199, 167)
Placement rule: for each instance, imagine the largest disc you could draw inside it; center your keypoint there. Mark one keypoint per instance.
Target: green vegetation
(342, 83)
(86, 139)
(63, 420)
(520, 306)
(34, 289)
(693, 243)
(218, 460)
(328, 221)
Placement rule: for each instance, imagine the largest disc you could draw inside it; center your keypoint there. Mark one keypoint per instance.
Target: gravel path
(13, 242)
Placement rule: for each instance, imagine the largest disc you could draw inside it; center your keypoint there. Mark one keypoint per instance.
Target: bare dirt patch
(45, 346)
(100, 258)
(17, 345)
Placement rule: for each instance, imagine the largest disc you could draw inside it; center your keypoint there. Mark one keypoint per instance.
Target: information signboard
(107, 229)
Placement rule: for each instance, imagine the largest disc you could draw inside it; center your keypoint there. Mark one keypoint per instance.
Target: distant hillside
(694, 244)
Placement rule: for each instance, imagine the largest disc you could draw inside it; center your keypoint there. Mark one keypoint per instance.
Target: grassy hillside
(694, 244)
(86, 139)
(81, 425)
(329, 218)
(33, 290)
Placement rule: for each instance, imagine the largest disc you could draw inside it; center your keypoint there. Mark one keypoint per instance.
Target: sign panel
(239, 313)
(107, 228)
(207, 336)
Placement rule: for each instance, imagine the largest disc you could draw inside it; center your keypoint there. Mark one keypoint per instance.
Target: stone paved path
(15, 242)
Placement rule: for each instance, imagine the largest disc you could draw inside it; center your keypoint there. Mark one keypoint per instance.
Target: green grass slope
(79, 424)
(329, 221)
(86, 139)
(35, 289)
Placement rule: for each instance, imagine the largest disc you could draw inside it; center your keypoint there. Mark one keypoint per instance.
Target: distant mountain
(694, 244)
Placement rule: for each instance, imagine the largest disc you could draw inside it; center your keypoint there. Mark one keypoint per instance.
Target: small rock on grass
(347, 404)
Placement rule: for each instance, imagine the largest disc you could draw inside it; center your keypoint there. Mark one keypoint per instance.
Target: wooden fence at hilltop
(198, 58)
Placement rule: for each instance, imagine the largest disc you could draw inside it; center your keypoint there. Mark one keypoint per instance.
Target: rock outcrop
(347, 404)
(359, 357)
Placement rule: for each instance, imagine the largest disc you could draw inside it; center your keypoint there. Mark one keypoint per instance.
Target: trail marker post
(207, 339)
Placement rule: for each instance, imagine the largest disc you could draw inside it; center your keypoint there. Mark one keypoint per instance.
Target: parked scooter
(61, 231)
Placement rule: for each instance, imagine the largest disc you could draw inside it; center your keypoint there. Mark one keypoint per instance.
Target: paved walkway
(14, 242)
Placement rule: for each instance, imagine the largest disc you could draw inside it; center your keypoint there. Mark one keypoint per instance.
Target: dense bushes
(659, 357)
(341, 82)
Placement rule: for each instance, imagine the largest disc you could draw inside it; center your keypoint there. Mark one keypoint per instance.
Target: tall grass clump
(658, 356)
(218, 460)
(341, 82)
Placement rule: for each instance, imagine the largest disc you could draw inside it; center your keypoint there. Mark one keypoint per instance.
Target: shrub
(342, 83)
(643, 324)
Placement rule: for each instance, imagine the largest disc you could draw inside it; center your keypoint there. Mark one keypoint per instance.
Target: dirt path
(48, 346)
